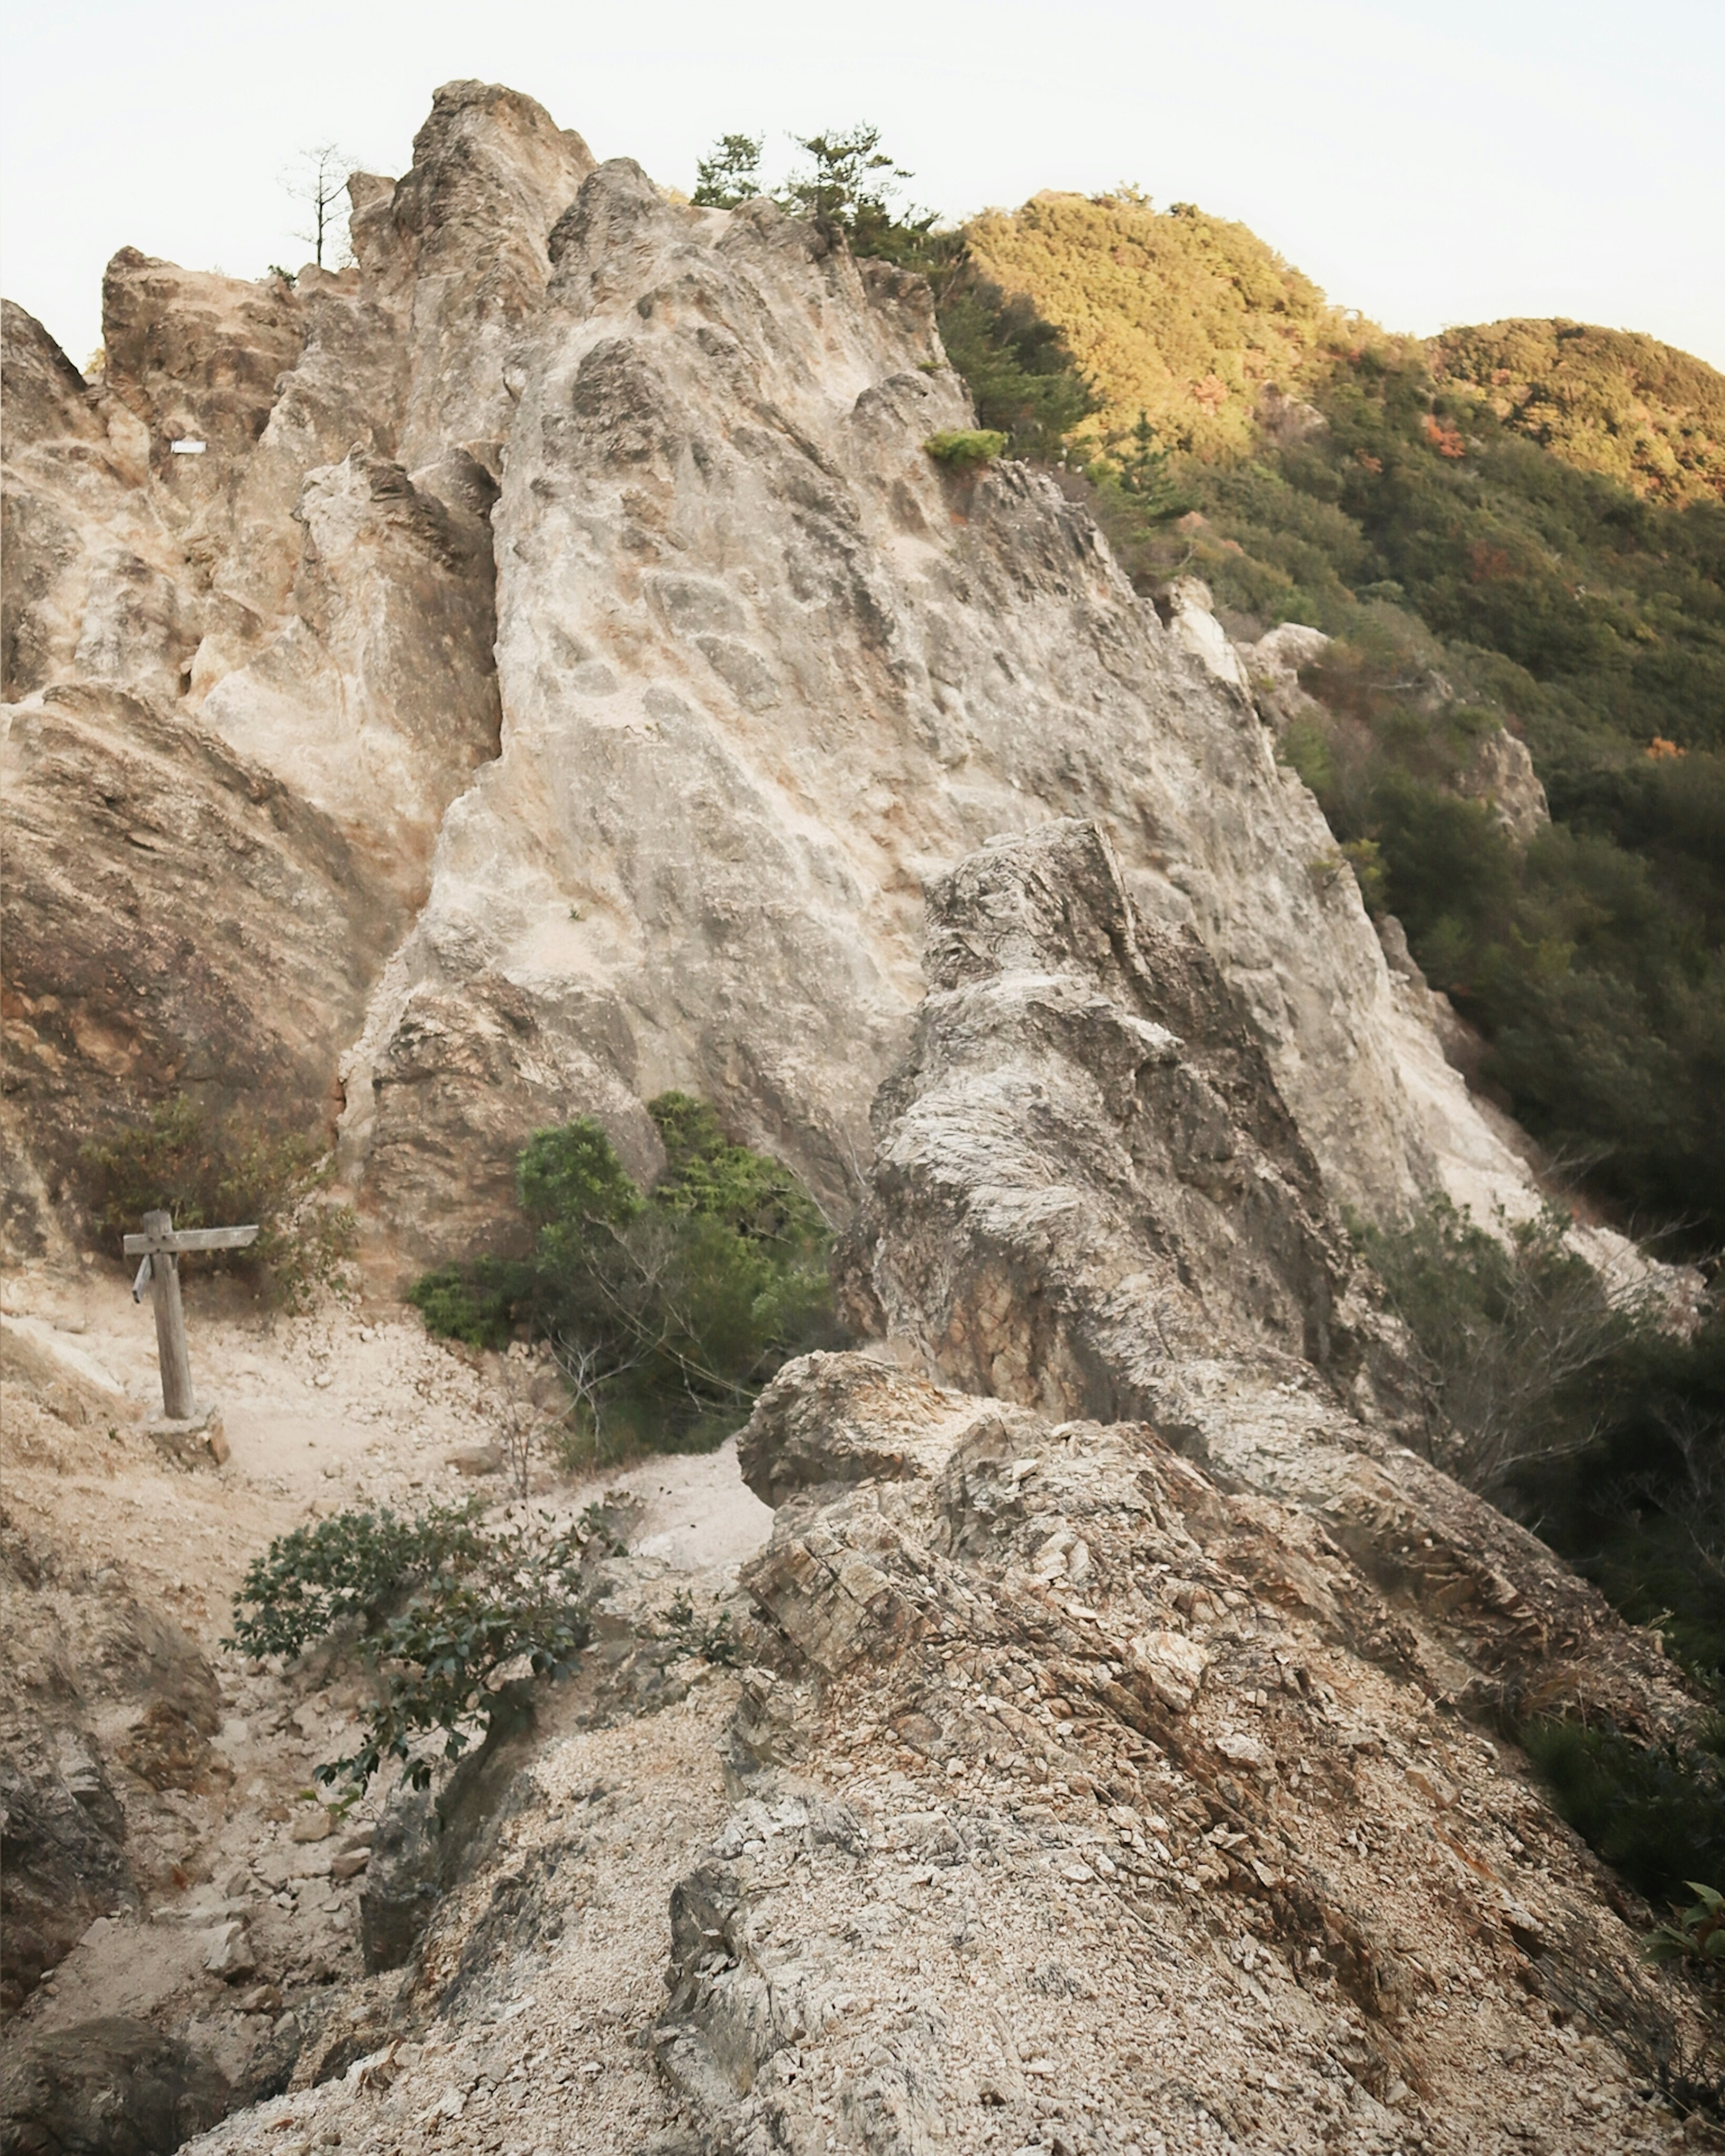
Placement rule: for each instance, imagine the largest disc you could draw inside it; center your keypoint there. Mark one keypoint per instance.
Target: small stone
(311, 1826)
(228, 1953)
(1432, 1785)
(349, 1863)
(261, 1998)
(476, 1459)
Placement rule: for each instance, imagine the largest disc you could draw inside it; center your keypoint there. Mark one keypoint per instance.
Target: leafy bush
(667, 1309)
(347, 1570)
(1641, 1512)
(966, 449)
(1609, 401)
(1696, 1943)
(1021, 376)
(1656, 1812)
(1180, 315)
(444, 1607)
(210, 1173)
(474, 1302)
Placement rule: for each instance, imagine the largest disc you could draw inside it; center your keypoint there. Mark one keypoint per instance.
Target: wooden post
(172, 1351)
(160, 1248)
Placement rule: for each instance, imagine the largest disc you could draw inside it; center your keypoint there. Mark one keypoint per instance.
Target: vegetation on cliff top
(1181, 316)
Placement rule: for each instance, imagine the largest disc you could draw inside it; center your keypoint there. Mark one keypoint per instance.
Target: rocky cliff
(556, 676)
(540, 665)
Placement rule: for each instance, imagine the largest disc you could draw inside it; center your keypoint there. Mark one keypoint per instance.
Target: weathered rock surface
(760, 671)
(1089, 1200)
(113, 2088)
(1500, 774)
(268, 663)
(1090, 1806)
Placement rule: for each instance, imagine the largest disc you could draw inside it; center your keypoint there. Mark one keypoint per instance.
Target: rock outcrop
(540, 665)
(761, 670)
(1090, 1805)
(1089, 1200)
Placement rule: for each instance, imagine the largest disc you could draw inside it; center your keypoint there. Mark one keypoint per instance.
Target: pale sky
(1427, 166)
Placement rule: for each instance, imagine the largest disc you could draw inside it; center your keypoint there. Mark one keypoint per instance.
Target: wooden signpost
(160, 1248)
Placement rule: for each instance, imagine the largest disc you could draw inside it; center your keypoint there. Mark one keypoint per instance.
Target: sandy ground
(353, 1406)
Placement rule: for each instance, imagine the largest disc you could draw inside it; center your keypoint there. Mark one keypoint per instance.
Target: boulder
(112, 2088)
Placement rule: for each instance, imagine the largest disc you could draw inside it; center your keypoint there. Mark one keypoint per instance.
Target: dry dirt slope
(122, 1711)
(1069, 1804)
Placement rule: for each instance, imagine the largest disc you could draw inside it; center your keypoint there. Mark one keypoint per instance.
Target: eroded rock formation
(1090, 1806)
(760, 671)
(540, 665)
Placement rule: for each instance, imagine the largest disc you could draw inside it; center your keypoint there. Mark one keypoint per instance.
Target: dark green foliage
(668, 1309)
(443, 1604)
(1654, 1812)
(1608, 1433)
(475, 1303)
(965, 449)
(1697, 1941)
(345, 1569)
(1021, 376)
(1474, 580)
(1642, 1511)
(845, 189)
(211, 1173)
(1139, 467)
(731, 174)
(1131, 491)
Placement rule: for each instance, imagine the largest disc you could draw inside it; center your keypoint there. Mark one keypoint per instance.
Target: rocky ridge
(561, 673)
(667, 464)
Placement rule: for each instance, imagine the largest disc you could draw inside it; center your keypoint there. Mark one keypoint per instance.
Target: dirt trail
(352, 1406)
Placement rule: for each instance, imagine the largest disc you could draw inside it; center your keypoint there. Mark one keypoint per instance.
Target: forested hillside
(1521, 526)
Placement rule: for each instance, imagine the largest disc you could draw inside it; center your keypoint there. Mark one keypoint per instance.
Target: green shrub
(1696, 1943)
(1641, 1511)
(348, 1569)
(441, 1606)
(228, 1172)
(686, 1634)
(474, 1303)
(1654, 1812)
(966, 449)
(668, 1309)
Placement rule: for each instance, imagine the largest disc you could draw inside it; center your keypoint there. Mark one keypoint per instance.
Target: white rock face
(761, 671)
(764, 670)
(1501, 774)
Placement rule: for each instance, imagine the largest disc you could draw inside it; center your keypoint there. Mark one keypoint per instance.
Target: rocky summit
(541, 666)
